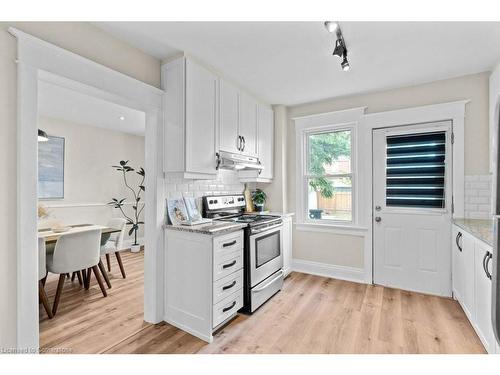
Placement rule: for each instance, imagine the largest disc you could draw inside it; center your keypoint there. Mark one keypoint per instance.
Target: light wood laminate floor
(311, 314)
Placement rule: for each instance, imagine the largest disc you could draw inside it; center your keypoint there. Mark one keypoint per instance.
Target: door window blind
(415, 170)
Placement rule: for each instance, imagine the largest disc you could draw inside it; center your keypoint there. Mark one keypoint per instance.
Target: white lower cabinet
(482, 289)
(203, 280)
(471, 285)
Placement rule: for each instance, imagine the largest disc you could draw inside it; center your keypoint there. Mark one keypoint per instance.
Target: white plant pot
(135, 248)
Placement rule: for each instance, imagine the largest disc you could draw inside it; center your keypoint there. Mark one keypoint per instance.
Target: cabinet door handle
(229, 307)
(244, 143)
(239, 143)
(227, 244)
(486, 261)
(457, 241)
(229, 264)
(226, 287)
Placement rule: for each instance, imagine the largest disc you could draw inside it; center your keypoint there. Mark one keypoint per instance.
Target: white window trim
(333, 121)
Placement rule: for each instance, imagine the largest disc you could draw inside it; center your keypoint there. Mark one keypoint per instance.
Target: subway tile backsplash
(478, 196)
(227, 182)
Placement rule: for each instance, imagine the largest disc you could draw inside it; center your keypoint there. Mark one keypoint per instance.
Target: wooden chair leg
(43, 297)
(73, 276)
(89, 276)
(99, 280)
(60, 285)
(104, 273)
(79, 275)
(84, 277)
(119, 259)
(44, 280)
(108, 261)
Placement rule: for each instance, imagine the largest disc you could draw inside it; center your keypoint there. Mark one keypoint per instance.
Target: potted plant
(133, 221)
(259, 199)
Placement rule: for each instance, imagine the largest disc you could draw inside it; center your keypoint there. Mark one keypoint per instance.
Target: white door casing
(39, 60)
(411, 245)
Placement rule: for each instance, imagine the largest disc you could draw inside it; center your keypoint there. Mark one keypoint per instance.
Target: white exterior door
(412, 207)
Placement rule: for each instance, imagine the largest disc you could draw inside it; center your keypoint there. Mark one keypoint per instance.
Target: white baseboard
(353, 274)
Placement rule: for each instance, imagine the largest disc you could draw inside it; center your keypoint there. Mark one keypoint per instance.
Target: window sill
(348, 230)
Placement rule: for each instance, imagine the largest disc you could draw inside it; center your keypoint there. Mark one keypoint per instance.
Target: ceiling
(69, 105)
(291, 62)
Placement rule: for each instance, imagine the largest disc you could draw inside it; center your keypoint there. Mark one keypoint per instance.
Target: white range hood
(227, 160)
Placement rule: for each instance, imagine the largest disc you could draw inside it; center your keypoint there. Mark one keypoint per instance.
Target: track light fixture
(340, 47)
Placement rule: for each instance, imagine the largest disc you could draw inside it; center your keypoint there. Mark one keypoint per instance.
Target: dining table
(52, 236)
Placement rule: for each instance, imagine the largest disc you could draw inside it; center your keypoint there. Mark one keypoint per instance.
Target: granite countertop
(479, 228)
(214, 228)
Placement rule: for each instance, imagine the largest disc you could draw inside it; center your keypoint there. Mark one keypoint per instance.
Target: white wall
(334, 249)
(276, 191)
(89, 180)
(85, 40)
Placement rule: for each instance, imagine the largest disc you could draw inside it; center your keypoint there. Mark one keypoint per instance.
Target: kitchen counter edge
(482, 229)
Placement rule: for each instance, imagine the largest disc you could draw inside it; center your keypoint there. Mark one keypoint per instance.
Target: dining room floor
(312, 314)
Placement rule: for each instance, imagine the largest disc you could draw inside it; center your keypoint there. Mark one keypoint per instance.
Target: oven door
(265, 253)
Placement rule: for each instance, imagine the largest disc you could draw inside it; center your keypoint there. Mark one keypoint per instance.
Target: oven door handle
(256, 231)
(261, 288)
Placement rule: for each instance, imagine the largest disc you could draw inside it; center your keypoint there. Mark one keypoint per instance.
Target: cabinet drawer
(227, 244)
(227, 285)
(228, 264)
(227, 307)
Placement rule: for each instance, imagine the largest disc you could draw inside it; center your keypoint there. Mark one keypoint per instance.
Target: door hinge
(452, 138)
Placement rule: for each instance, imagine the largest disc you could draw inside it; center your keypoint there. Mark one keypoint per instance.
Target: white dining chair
(75, 251)
(42, 276)
(115, 245)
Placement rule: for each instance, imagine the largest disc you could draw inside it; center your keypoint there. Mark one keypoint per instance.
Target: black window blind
(416, 170)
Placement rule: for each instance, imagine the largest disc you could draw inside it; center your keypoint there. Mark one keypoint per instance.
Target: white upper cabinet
(265, 147)
(190, 119)
(248, 125)
(229, 118)
(265, 143)
(204, 114)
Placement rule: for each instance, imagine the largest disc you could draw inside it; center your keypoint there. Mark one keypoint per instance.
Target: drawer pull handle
(229, 286)
(229, 307)
(229, 264)
(229, 244)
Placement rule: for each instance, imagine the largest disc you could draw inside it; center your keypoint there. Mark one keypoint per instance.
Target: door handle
(244, 143)
(378, 219)
(457, 241)
(239, 143)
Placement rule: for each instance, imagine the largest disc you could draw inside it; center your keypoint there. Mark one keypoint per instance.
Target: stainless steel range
(263, 255)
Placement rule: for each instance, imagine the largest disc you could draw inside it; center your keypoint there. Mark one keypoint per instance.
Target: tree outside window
(329, 175)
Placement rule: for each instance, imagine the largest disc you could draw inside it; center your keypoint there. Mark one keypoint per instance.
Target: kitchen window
(329, 176)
